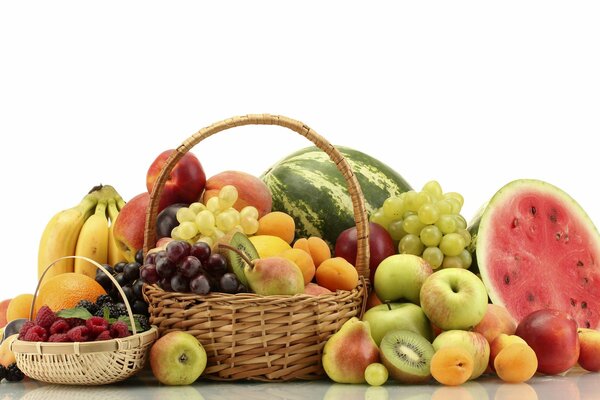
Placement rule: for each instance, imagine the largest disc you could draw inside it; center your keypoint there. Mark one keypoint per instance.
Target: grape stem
(240, 253)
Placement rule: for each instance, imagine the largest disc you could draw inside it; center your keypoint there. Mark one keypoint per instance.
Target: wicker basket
(252, 337)
(84, 363)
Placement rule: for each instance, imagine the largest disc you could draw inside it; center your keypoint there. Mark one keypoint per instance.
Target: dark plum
(167, 220)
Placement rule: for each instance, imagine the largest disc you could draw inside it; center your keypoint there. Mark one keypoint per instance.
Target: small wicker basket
(84, 363)
(252, 337)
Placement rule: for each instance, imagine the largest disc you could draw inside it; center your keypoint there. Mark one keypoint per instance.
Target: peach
(452, 365)
(3, 308)
(589, 350)
(502, 340)
(314, 290)
(129, 227)
(496, 320)
(516, 363)
(251, 190)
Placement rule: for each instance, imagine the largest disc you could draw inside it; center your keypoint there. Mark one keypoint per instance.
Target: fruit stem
(240, 253)
(389, 306)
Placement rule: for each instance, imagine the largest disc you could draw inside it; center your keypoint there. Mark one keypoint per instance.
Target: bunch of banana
(84, 230)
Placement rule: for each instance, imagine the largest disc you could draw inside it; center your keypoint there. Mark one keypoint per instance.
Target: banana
(114, 251)
(60, 236)
(93, 242)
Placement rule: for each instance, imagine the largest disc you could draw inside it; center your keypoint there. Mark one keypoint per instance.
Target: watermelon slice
(536, 248)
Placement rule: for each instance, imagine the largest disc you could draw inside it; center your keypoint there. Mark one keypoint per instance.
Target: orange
(66, 290)
(19, 307)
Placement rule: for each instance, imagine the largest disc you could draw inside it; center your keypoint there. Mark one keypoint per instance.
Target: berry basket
(248, 336)
(84, 363)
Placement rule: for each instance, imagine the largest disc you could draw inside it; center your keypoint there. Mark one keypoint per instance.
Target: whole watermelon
(308, 186)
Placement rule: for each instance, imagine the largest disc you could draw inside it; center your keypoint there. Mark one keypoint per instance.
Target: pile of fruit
(450, 301)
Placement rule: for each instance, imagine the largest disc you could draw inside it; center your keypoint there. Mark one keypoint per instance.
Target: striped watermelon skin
(308, 186)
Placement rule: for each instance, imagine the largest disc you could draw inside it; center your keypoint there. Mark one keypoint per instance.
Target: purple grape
(137, 287)
(200, 284)
(177, 250)
(201, 251)
(229, 283)
(165, 284)
(164, 266)
(150, 258)
(241, 288)
(190, 267)
(149, 274)
(180, 283)
(119, 266)
(131, 271)
(216, 265)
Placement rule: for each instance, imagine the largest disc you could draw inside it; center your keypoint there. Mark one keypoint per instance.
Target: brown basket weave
(247, 336)
(84, 363)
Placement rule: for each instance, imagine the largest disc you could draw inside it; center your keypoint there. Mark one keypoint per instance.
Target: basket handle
(114, 281)
(358, 202)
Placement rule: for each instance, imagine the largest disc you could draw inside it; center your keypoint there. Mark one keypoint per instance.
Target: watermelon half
(536, 248)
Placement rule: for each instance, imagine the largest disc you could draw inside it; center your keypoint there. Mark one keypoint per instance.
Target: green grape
(461, 223)
(433, 256)
(412, 224)
(228, 195)
(175, 233)
(456, 196)
(376, 374)
(411, 201)
(428, 213)
(212, 205)
(422, 198)
(465, 258)
(218, 234)
(396, 230)
(185, 214)
(446, 223)
(444, 207)
(207, 239)
(225, 221)
(205, 220)
(393, 207)
(197, 207)
(431, 235)
(187, 230)
(250, 212)
(249, 225)
(410, 244)
(452, 244)
(379, 217)
(456, 206)
(452, 262)
(434, 189)
(233, 213)
(466, 236)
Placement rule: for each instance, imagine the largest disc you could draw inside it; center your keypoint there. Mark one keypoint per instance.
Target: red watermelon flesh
(536, 248)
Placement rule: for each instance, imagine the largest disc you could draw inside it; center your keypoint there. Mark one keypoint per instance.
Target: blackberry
(103, 299)
(2, 372)
(143, 321)
(114, 310)
(88, 305)
(13, 373)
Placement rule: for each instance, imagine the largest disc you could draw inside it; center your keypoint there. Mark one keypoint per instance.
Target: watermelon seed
(573, 302)
(557, 236)
(587, 324)
(506, 279)
(552, 216)
(515, 222)
(530, 297)
(583, 305)
(533, 210)
(579, 263)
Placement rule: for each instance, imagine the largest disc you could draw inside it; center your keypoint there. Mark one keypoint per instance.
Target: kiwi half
(236, 264)
(407, 356)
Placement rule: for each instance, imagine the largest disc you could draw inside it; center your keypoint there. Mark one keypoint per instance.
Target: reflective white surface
(576, 385)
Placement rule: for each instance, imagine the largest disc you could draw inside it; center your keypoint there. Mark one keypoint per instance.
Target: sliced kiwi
(236, 264)
(407, 356)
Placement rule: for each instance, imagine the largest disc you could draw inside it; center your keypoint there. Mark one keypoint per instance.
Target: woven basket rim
(139, 340)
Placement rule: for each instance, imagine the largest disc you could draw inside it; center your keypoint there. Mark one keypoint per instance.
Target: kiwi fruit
(407, 356)
(236, 264)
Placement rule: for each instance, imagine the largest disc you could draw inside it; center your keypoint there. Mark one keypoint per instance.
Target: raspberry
(36, 334)
(59, 326)
(25, 328)
(119, 329)
(73, 322)
(96, 325)
(79, 333)
(45, 317)
(104, 335)
(59, 337)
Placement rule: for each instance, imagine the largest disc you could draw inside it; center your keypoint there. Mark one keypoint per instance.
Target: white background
(471, 93)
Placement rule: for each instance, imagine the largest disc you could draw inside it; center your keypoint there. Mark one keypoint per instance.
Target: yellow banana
(60, 236)
(93, 242)
(114, 251)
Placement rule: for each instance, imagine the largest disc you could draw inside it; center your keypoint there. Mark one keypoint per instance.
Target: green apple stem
(240, 253)
(389, 306)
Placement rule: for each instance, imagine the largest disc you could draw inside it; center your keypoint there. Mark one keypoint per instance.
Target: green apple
(400, 277)
(473, 342)
(407, 316)
(454, 298)
(177, 358)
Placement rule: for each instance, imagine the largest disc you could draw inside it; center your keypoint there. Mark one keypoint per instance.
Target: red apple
(129, 227)
(381, 246)
(185, 182)
(552, 334)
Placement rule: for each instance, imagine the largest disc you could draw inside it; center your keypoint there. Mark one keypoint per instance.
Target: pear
(271, 275)
(349, 351)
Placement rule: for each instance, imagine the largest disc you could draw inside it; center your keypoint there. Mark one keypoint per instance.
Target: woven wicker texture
(247, 336)
(84, 363)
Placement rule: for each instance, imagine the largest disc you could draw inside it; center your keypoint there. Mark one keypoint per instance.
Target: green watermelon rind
(307, 185)
(484, 218)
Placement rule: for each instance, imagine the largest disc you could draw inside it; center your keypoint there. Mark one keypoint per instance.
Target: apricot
(452, 366)
(279, 224)
(19, 307)
(516, 363)
(337, 274)
(303, 261)
(316, 247)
